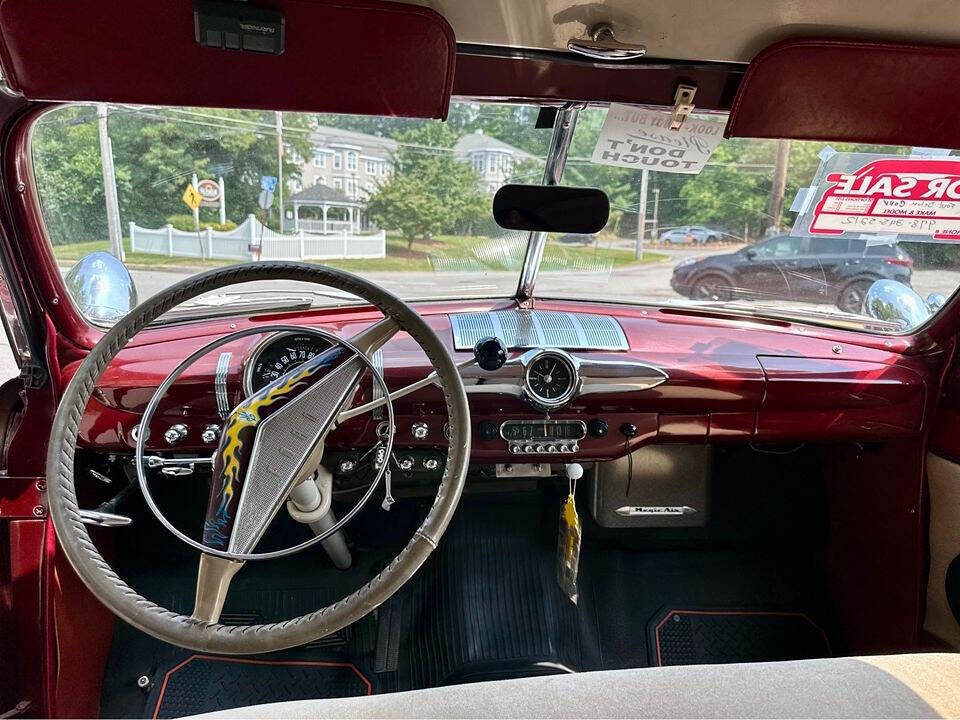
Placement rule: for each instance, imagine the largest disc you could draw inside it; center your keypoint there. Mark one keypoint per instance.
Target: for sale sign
(911, 196)
(634, 137)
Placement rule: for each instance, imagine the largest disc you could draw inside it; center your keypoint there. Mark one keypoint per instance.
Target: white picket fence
(250, 239)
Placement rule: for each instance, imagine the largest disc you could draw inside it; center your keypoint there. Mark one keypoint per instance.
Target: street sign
(268, 183)
(266, 199)
(210, 192)
(192, 198)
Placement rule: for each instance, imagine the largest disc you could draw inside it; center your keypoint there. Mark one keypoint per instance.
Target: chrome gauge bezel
(264, 343)
(539, 401)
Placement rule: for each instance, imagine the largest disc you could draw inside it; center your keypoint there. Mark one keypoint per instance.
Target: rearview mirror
(551, 208)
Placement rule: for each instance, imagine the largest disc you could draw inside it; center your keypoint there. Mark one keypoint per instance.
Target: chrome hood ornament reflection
(102, 287)
(893, 301)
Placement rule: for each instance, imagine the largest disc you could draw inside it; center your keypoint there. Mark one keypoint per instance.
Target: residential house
(493, 159)
(347, 161)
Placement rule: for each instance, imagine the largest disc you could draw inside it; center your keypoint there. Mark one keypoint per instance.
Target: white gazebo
(332, 211)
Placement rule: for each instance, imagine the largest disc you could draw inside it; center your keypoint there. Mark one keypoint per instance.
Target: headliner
(710, 30)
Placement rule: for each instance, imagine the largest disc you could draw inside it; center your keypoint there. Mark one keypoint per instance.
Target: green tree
(430, 191)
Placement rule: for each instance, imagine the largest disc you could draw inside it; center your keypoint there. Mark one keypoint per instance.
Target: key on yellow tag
(568, 541)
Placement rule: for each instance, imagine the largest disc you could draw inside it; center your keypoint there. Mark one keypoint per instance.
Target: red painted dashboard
(734, 380)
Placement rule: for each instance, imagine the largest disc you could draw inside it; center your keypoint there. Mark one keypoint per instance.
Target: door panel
(943, 604)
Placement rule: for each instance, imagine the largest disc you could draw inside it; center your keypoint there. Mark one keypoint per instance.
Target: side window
(781, 247)
(827, 245)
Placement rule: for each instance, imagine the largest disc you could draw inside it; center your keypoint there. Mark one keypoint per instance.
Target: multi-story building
(350, 162)
(353, 163)
(492, 159)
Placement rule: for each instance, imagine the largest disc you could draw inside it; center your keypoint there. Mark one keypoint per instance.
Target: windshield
(770, 227)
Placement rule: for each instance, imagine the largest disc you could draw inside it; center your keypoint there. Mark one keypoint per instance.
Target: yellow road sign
(192, 198)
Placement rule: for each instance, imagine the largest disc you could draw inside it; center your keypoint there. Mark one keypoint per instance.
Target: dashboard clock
(551, 379)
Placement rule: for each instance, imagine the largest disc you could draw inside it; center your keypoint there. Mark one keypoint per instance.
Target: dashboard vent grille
(538, 328)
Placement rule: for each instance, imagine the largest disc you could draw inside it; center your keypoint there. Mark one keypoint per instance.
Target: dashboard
(586, 381)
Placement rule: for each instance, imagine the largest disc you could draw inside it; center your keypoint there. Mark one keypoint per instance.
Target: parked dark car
(812, 269)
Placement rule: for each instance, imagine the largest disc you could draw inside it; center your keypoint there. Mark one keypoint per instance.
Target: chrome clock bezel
(540, 402)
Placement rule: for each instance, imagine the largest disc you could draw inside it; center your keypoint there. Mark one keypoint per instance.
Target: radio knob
(598, 428)
(539, 448)
(487, 430)
(514, 448)
(528, 448)
(564, 447)
(551, 448)
(574, 448)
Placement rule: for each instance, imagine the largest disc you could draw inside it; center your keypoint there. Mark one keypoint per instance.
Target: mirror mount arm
(563, 127)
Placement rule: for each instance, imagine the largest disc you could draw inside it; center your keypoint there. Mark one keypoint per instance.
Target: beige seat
(893, 686)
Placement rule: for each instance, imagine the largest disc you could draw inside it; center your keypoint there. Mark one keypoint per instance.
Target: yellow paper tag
(568, 549)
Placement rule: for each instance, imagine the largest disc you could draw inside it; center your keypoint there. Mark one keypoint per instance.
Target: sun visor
(850, 91)
(354, 56)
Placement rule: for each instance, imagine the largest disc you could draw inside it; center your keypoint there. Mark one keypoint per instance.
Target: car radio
(539, 437)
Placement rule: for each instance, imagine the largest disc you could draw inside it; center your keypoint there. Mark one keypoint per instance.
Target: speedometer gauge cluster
(278, 355)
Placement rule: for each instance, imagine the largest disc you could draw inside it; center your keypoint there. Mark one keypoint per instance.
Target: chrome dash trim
(376, 392)
(220, 384)
(523, 329)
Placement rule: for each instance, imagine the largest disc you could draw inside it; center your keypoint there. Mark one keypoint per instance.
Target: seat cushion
(894, 686)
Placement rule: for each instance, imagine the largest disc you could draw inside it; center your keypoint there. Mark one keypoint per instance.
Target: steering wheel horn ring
(148, 413)
(201, 635)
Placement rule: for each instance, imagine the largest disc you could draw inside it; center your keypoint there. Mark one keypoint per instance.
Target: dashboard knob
(490, 353)
(528, 448)
(628, 430)
(419, 430)
(487, 430)
(210, 434)
(431, 464)
(346, 467)
(175, 433)
(539, 448)
(551, 448)
(405, 463)
(598, 428)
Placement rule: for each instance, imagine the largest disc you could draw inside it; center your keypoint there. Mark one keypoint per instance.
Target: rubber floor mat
(695, 637)
(205, 683)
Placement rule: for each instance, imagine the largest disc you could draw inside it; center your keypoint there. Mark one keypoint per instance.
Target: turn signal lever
(490, 353)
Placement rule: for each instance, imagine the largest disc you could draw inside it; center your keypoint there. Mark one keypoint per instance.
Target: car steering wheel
(309, 399)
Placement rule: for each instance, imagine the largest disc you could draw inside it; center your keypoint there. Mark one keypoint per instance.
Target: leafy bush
(185, 222)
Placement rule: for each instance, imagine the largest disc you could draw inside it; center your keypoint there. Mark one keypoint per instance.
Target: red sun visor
(851, 91)
(350, 56)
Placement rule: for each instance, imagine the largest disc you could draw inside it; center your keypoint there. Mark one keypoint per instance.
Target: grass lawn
(463, 252)
(69, 254)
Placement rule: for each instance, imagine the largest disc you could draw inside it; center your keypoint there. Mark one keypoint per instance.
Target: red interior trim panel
(850, 91)
(401, 57)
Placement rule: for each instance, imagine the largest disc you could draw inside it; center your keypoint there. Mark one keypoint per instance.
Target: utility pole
(779, 183)
(109, 184)
(280, 166)
(655, 230)
(642, 212)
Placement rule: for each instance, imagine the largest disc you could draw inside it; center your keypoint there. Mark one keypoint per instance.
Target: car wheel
(852, 296)
(711, 287)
